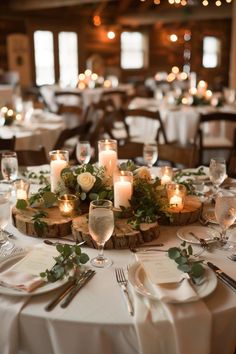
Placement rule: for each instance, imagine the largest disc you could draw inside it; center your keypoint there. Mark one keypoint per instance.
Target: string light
(217, 3)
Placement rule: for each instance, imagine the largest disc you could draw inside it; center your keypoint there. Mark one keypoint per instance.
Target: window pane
(131, 60)
(68, 58)
(211, 52)
(44, 57)
(132, 50)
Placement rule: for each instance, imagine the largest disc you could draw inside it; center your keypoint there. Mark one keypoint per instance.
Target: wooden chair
(32, 157)
(68, 98)
(73, 115)
(7, 144)
(147, 122)
(118, 98)
(177, 155)
(215, 136)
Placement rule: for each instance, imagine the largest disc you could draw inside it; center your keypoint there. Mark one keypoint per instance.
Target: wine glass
(9, 165)
(225, 213)
(217, 172)
(83, 152)
(5, 194)
(101, 226)
(150, 154)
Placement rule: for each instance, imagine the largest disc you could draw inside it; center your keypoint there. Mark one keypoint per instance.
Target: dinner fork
(122, 281)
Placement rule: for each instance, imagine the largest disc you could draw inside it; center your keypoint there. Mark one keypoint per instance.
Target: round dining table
(98, 321)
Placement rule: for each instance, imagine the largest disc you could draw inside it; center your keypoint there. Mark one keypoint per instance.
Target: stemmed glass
(225, 213)
(9, 165)
(83, 152)
(150, 154)
(5, 193)
(101, 226)
(217, 172)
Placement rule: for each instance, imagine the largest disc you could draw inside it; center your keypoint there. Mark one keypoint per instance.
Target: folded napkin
(24, 275)
(178, 322)
(167, 282)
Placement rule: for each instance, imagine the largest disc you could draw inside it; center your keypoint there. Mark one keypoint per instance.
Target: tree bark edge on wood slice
(57, 225)
(124, 235)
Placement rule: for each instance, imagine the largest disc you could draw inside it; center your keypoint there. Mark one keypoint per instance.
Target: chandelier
(192, 2)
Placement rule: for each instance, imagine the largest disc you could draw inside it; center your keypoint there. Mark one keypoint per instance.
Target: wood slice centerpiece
(57, 226)
(124, 236)
(188, 215)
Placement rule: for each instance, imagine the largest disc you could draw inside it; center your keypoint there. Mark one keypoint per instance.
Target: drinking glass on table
(9, 166)
(101, 226)
(5, 194)
(217, 172)
(83, 152)
(225, 213)
(150, 154)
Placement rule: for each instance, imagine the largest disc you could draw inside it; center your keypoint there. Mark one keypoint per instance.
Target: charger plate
(138, 279)
(8, 262)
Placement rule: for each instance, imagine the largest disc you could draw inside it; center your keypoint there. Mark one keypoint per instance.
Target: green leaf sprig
(39, 225)
(180, 177)
(183, 256)
(70, 258)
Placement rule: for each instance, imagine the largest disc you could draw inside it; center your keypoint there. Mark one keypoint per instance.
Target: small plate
(8, 262)
(207, 234)
(137, 278)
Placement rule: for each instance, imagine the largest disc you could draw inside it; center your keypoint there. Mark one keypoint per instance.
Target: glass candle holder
(22, 187)
(166, 174)
(68, 204)
(58, 161)
(107, 156)
(176, 195)
(123, 189)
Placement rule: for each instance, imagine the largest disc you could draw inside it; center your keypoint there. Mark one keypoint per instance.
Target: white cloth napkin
(24, 275)
(182, 327)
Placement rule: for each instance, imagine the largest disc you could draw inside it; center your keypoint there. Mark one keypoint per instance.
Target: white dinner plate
(138, 279)
(207, 234)
(8, 262)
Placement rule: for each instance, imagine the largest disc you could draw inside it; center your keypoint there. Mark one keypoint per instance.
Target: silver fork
(122, 281)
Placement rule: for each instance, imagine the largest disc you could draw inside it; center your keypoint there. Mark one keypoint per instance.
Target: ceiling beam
(149, 18)
(25, 5)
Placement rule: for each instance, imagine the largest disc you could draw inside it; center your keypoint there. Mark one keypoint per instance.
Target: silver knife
(80, 283)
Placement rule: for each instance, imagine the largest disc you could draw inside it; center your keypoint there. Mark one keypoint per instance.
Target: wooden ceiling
(125, 12)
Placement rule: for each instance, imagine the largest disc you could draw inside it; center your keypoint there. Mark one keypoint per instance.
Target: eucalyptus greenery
(39, 225)
(186, 178)
(183, 256)
(41, 177)
(69, 259)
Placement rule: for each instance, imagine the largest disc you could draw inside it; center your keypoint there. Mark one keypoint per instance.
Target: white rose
(86, 181)
(143, 173)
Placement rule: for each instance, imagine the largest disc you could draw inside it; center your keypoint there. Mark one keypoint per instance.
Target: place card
(36, 261)
(160, 269)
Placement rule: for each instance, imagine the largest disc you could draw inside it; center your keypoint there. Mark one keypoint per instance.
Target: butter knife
(79, 284)
(58, 298)
(225, 278)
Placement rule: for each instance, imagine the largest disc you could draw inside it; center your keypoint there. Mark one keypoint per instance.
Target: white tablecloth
(180, 122)
(43, 129)
(97, 320)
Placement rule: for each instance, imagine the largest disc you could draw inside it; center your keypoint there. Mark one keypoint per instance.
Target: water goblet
(101, 226)
(225, 213)
(217, 172)
(9, 165)
(5, 194)
(150, 154)
(83, 152)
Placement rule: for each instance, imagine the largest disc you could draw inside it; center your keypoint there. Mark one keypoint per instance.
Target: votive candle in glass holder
(107, 156)
(22, 189)
(67, 204)
(123, 189)
(176, 194)
(58, 161)
(166, 174)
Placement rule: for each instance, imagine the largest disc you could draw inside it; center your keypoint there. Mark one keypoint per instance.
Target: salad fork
(122, 281)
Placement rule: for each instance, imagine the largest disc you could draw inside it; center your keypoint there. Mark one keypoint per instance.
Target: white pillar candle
(56, 166)
(108, 159)
(122, 193)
